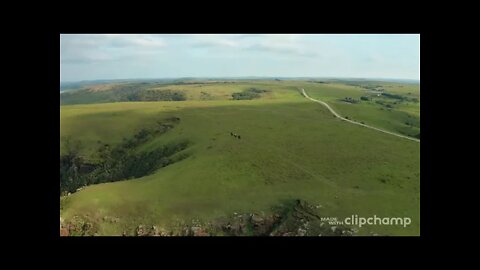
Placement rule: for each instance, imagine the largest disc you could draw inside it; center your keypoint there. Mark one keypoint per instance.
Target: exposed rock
(199, 232)
(303, 220)
(111, 219)
(64, 232)
(257, 220)
(187, 231)
(140, 231)
(297, 218)
(87, 226)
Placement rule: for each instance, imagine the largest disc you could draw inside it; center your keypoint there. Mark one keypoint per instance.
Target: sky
(138, 56)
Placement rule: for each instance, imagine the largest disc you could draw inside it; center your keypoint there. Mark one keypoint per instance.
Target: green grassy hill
(290, 148)
(380, 110)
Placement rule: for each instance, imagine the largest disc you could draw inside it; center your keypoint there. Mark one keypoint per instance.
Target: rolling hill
(290, 150)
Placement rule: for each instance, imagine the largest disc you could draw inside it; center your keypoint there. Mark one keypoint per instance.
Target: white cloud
(136, 55)
(208, 40)
(270, 43)
(108, 47)
(138, 41)
(283, 44)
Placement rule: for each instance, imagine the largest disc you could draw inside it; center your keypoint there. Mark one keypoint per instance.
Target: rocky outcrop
(64, 232)
(296, 218)
(77, 226)
(303, 219)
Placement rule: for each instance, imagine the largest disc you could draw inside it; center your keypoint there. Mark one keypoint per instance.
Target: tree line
(250, 93)
(115, 163)
(156, 95)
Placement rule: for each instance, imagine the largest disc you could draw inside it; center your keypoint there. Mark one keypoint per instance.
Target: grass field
(370, 112)
(291, 148)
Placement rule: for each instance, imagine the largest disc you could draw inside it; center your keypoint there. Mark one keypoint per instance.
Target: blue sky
(92, 57)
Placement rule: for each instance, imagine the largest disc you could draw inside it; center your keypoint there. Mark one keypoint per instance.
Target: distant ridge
(67, 85)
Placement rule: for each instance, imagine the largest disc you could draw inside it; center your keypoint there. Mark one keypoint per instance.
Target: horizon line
(231, 77)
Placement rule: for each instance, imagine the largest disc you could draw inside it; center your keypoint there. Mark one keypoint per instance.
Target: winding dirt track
(357, 123)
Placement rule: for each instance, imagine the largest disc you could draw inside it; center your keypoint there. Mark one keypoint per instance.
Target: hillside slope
(290, 149)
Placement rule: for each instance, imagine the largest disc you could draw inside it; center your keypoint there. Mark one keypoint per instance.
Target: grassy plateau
(290, 148)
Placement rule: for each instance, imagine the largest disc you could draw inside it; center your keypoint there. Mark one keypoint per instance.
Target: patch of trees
(156, 95)
(119, 163)
(368, 87)
(350, 100)
(365, 98)
(250, 93)
(116, 163)
(244, 95)
(70, 164)
(385, 104)
(400, 97)
(116, 93)
(394, 96)
(255, 90)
